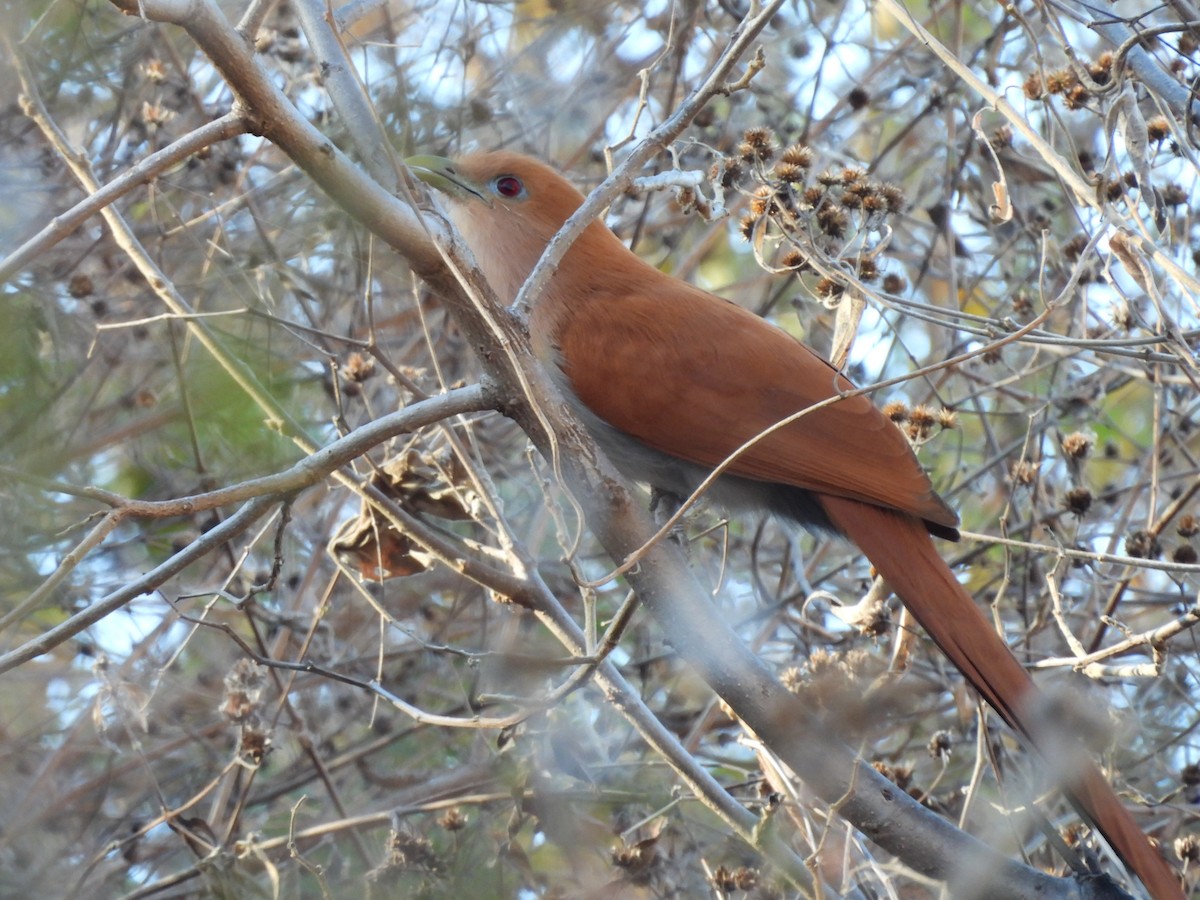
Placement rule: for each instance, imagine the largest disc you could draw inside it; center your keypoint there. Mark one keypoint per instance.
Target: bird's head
(507, 207)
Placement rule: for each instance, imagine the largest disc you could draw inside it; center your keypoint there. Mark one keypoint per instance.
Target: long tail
(902, 552)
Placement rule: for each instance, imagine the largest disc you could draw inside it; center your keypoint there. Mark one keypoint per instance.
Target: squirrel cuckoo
(670, 380)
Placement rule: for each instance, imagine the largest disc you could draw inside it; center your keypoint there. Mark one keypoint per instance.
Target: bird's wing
(699, 376)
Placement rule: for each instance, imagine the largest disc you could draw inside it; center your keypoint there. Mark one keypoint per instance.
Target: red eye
(509, 186)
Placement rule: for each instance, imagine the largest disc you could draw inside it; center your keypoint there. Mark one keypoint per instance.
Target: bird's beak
(440, 174)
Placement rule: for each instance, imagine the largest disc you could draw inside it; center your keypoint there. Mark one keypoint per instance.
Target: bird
(670, 379)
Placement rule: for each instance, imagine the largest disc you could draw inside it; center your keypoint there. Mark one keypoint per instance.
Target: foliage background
(133, 748)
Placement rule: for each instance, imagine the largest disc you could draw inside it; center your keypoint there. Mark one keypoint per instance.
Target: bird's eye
(508, 186)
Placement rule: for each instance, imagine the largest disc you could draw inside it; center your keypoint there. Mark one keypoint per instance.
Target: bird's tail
(901, 550)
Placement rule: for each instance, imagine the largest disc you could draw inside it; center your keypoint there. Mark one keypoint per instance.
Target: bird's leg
(663, 505)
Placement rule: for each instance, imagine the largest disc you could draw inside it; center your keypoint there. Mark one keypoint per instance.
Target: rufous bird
(670, 380)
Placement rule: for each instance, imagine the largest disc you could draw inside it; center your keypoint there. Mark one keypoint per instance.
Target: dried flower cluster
(242, 705)
(1068, 84)
(919, 421)
(828, 215)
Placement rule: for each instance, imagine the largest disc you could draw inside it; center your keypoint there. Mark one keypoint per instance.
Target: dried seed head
(788, 172)
(832, 221)
(1184, 554)
(1024, 472)
(1187, 848)
(940, 745)
(828, 289)
(745, 878)
(799, 48)
(1101, 69)
(1076, 97)
(794, 259)
(760, 202)
(1187, 526)
(894, 197)
(792, 679)
(746, 226)
(735, 172)
(155, 115)
(1033, 87)
(813, 195)
(155, 71)
(1077, 445)
(722, 880)
(636, 857)
(947, 418)
(873, 203)
(1141, 544)
(80, 286)
(858, 98)
(1078, 501)
(358, 368)
(876, 624)
(822, 662)
(894, 284)
(868, 270)
(1060, 81)
(797, 155)
(896, 410)
(244, 686)
(901, 776)
(922, 417)
(255, 744)
(1073, 248)
(1073, 835)
(1158, 128)
(1174, 195)
(760, 142)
